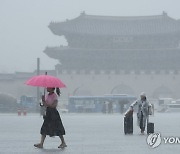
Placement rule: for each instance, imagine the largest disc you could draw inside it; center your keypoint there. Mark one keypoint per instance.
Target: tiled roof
(116, 59)
(111, 25)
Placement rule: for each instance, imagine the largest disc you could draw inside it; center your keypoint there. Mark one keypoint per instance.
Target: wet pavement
(86, 134)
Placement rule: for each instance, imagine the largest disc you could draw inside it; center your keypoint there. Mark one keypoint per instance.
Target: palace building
(119, 55)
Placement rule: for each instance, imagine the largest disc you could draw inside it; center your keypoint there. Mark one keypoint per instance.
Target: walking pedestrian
(52, 124)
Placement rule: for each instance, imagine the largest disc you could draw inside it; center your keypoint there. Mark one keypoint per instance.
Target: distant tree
(8, 103)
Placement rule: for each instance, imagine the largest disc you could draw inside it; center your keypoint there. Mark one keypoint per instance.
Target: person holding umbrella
(52, 124)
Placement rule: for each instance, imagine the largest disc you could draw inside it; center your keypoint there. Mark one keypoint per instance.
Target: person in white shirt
(142, 114)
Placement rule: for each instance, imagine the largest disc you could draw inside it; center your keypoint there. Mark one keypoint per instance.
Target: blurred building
(109, 54)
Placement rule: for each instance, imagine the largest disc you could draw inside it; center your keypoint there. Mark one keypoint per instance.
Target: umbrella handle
(44, 93)
(45, 88)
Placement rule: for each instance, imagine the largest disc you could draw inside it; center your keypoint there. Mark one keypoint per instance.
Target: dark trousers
(141, 123)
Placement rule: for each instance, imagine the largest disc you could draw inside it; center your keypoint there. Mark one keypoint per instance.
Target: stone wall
(155, 85)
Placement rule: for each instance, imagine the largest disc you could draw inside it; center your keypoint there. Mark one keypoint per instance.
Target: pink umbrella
(45, 81)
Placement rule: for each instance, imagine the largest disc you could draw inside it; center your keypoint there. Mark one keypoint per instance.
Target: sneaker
(38, 145)
(142, 132)
(62, 146)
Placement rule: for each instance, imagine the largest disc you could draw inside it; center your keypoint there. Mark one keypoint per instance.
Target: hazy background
(24, 33)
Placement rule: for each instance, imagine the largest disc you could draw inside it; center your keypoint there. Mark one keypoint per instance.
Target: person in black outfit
(52, 124)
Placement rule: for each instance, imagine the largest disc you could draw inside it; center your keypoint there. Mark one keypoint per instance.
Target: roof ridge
(124, 17)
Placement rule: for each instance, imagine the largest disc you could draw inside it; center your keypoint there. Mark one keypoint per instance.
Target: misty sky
(24, 33)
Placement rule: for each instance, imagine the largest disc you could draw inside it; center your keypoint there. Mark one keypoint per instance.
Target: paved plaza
(86, 134)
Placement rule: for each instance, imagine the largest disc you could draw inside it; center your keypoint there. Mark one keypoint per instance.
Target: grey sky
(24, 33)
